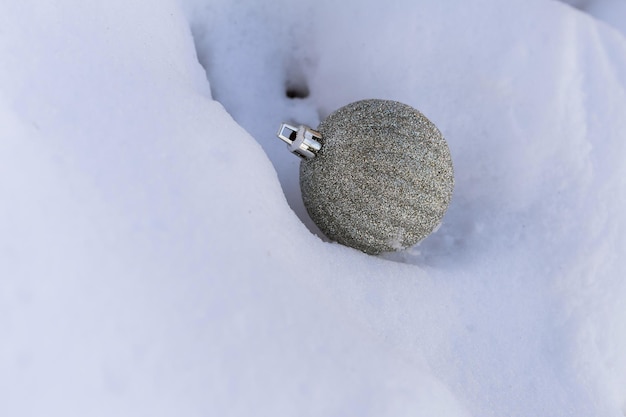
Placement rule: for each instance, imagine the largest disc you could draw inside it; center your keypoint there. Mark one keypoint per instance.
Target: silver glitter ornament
(376, 175)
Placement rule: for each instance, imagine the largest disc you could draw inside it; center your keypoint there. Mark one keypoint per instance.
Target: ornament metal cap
(302, 141)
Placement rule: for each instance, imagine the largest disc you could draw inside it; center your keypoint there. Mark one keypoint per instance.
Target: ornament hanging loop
(302, 141)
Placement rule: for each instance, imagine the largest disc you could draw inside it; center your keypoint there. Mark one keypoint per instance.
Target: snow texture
(156, 259)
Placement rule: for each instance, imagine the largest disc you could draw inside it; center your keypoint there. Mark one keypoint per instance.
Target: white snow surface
(156, 260)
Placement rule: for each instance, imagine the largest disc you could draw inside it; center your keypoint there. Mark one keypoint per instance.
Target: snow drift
(152, 241)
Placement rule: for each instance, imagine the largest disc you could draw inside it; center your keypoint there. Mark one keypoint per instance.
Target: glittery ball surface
(383, 179)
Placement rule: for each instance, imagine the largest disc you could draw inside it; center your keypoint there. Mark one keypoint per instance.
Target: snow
(155, 258)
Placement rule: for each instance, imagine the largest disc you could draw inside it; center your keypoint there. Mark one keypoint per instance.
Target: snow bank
(150, 263)
(612, 12)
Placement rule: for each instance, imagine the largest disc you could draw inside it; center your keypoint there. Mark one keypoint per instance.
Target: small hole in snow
(297, 91)
(296, 85)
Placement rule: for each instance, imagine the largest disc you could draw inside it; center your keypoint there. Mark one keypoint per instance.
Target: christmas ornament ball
(383, 178)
